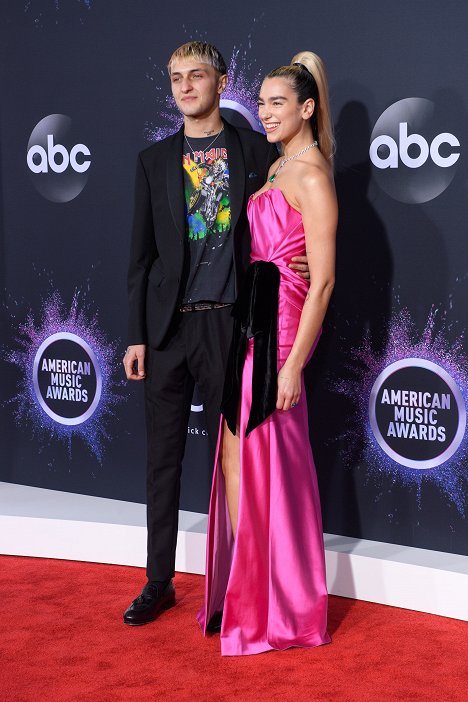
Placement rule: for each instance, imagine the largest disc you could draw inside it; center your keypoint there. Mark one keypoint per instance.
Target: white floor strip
(52, 524)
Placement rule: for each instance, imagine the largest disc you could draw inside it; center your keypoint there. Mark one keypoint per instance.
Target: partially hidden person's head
(198, 76)
(294, 98)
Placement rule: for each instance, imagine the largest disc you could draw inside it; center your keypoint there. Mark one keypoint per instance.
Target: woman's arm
(317, 202)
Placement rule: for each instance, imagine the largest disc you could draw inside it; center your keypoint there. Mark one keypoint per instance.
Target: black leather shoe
(149, 604)
(214, 625)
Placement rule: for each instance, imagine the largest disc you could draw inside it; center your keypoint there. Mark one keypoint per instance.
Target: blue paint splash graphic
(450, 477)
(30, 334)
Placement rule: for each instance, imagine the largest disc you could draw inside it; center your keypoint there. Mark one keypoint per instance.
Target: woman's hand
(289, 388)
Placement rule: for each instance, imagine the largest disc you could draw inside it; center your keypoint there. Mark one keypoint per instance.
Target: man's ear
(223, 80)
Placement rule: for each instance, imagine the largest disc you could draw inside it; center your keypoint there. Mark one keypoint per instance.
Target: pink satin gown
(270, 581)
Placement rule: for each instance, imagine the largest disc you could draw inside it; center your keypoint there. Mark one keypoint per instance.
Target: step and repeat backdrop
(84, 88)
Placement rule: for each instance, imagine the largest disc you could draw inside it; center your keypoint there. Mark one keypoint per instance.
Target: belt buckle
(200, 306)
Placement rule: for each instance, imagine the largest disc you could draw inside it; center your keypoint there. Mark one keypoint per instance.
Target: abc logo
(48, 158)
(414, 157)
(58, 162)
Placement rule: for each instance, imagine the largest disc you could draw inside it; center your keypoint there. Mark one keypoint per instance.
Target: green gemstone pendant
(271, 179)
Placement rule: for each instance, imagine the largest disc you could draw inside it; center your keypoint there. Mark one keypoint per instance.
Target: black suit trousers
(195, 352)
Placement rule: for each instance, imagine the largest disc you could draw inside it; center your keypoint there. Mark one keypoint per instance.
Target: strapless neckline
(269, 190)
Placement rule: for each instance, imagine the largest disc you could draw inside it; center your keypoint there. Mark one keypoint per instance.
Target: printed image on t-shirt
(207, 192)
(209, 262)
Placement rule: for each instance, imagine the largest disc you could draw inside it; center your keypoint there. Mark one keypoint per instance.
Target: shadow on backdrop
(361, 304)
(390, 255)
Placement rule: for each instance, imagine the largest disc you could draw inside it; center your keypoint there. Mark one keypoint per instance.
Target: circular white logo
(67, 378)
(58, 163)
(238, 115)
(417, 413)
(413, 155)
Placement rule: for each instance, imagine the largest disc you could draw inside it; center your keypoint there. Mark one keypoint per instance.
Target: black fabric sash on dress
(255, 315)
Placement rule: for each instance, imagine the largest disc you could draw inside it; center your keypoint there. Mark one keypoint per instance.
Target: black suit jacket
(155, 275)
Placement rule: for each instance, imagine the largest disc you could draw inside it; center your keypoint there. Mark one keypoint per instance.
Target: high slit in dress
(270, 581)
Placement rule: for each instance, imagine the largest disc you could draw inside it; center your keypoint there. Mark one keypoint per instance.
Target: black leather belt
(197, 306)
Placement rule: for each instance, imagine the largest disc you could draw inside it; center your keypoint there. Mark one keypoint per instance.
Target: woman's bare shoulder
(312, 179)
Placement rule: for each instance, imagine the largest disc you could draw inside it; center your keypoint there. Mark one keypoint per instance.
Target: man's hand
(300, 265)
(134, 362)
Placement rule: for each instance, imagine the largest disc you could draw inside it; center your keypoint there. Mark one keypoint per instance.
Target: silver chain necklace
(209, 146)
(290, 158)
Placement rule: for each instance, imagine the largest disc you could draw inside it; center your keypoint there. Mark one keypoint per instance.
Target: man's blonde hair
(200, 51)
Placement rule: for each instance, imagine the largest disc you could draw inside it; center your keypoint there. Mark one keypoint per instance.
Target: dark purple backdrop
(102, 64)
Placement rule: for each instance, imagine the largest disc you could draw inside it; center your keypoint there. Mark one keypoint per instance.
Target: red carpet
(63, 640)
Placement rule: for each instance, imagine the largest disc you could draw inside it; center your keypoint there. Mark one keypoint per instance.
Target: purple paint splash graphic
(242, 89)
(30, 335)
(450, 477)
(244, 83)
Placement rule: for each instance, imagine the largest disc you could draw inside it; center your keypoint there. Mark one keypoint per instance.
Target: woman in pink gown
(265, 566)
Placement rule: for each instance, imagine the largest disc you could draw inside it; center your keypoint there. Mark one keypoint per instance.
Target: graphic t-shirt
(209, 263)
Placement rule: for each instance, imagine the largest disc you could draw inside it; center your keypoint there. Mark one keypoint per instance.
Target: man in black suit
(190, 248)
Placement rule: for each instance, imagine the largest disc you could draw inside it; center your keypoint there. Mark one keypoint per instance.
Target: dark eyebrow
(276, 97)
(192, 70)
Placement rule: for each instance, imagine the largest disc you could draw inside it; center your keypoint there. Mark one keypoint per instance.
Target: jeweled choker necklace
(271, 179)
